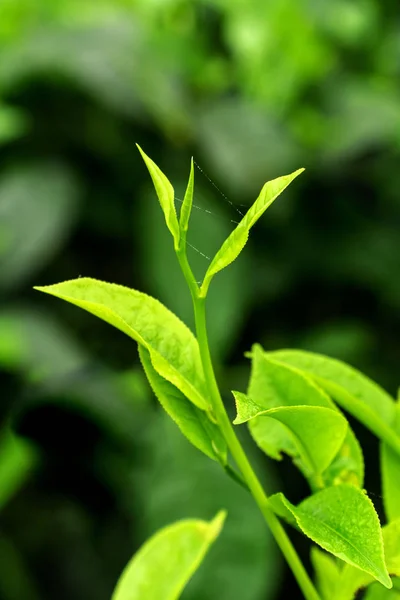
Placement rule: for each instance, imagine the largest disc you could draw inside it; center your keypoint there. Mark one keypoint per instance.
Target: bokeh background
(89, 464)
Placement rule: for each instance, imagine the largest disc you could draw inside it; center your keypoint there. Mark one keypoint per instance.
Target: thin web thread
(218, 190)
(197, 250)
(209, 212)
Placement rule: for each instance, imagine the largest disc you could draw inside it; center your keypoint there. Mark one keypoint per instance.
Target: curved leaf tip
(173, 348)
(216, 525)
(164, 564)
(166, 195)
(342, 520)
(236, 241)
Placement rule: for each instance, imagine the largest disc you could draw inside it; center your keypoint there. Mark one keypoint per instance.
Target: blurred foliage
(253, 90)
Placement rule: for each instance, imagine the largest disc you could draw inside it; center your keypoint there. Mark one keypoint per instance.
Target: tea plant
(292, 405)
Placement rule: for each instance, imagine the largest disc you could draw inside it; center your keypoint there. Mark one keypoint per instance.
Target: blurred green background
(253, 90)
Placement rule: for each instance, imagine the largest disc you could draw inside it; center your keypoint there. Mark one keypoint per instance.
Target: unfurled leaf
(166, 196)
(173, 348)
(186, 207)
(327, 573)
(164, 564)
(274, 384)
(228, 300)
(316, 432)
(390, 469)
(352, 580)
(352, 390)
(235, 243)
(194, 423)
(342, 520)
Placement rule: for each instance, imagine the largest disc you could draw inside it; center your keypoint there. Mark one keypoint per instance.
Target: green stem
(249, 477)
(242, 461)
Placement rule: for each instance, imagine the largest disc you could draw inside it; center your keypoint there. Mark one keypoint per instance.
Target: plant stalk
(234, 445)
(242, 461)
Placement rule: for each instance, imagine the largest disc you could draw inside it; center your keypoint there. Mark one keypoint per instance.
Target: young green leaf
(173, 348)
(164, 564)
(166, 196)
(327, 573)
(390, 469)
(235, 243)
(248, 559)
(342, 520)
(317, 432)
(194, 423)
(274, 384)
(352, 580)
(352, 390)
(186, 207)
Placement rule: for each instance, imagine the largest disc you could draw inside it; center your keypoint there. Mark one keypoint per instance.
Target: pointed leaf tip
(187, 203)
(164, 564)
(166, 195)
(236, 241)
(342, 520)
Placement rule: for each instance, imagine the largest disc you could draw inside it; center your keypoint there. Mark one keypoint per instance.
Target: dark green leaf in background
(38, 205)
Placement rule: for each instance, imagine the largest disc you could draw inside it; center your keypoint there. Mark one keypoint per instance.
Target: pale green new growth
(166, 196)
(317, 432)
(173, 348)
(358, 394)
(194, 423)
(186, 207)
(235, 243)
(349, 580)
(273, 384)
(164, 564)
(342, 520)
(289, 408)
